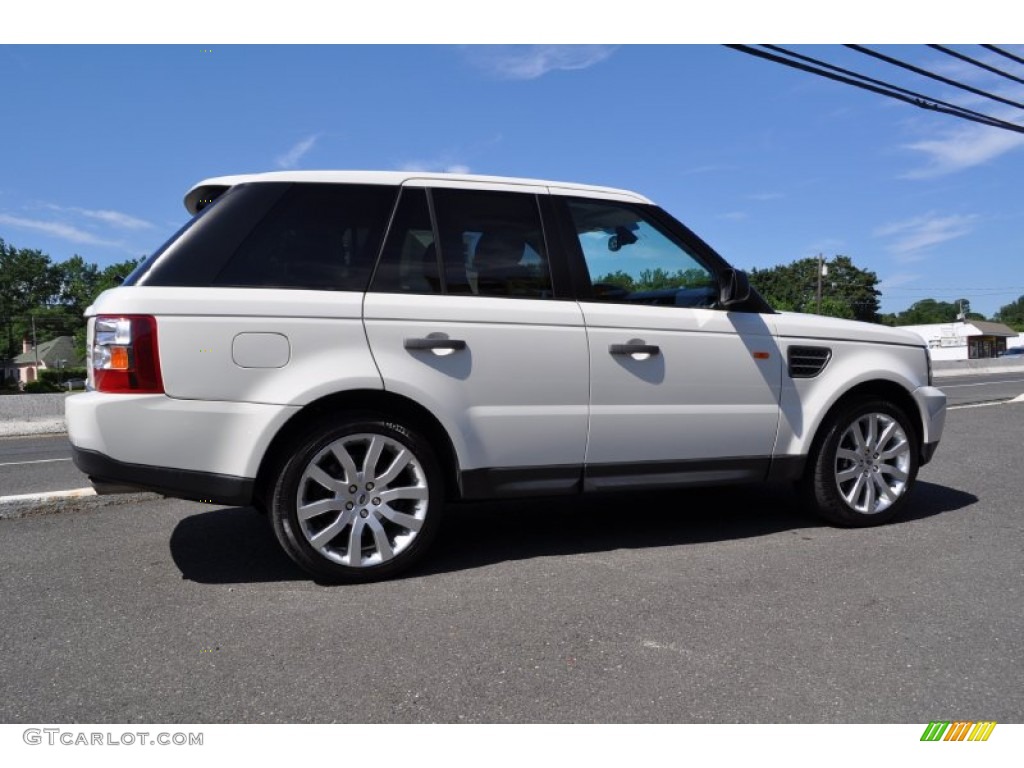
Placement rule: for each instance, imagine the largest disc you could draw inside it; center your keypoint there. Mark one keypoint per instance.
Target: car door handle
(634, 348)
(452, 345)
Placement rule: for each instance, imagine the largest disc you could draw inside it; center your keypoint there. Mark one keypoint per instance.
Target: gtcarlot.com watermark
(60, 736)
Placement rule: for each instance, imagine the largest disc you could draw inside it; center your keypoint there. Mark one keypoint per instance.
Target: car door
(463, 317)
(681, 391)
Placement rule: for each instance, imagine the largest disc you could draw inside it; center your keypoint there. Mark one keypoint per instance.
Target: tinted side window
(409, 261)
(492, 243)
(631, 259)
(318, 236)
(199, 250)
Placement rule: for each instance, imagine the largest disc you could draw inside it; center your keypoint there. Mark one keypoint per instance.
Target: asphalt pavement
(698, 606)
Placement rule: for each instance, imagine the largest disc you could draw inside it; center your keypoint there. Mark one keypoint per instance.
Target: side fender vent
(808, 362)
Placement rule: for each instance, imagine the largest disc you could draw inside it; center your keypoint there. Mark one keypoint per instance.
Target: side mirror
(734, 287)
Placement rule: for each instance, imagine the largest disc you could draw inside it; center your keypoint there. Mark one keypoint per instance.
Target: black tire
(318, 508)
(857, 475)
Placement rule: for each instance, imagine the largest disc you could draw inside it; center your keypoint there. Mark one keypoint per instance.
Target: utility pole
(35, 346)
(821, 273)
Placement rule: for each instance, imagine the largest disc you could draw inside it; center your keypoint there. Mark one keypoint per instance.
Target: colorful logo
(958, 731)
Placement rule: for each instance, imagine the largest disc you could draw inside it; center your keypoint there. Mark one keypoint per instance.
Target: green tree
(28, 280)
(847, 291)
(932, 311)
(656, 279)
(80, 283)
(1012, 314)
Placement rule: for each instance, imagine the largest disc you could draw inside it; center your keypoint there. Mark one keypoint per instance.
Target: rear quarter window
(317, 236)
(277, 235)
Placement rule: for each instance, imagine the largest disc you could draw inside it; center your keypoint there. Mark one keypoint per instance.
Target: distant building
(58, 353)
(965, 340)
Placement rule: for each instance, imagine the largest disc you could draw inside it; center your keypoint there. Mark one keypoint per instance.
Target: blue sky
(98, 144)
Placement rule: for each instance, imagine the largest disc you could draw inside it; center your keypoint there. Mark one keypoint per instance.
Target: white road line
(982, 384)
(37, 461)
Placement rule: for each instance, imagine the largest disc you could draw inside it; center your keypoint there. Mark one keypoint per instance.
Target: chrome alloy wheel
(873, 463)
(362, 500)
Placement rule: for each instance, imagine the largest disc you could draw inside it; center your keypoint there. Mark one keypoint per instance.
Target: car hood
(820, 327)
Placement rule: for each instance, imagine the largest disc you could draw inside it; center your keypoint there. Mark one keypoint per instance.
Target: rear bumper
(187, 437)
(179, 483)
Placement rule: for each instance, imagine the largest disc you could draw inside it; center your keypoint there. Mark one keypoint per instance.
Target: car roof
(210, 188)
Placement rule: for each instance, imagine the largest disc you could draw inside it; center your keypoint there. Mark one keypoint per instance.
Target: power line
(975, 62)
(961, 111)
(1001, 52)
(924, 72)
(885, 89)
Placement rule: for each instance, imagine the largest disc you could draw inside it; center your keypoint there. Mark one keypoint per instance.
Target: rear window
(277, 235)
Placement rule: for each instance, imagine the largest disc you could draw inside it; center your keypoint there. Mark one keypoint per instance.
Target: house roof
(992, 329)
(60, 348)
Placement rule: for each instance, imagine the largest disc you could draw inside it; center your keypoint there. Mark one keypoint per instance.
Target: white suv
(350, 350)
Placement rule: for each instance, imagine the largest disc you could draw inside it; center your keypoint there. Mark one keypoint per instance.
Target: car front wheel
(358, 501)
(865, 465)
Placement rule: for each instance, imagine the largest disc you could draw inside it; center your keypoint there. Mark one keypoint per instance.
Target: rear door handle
(635, 348)
(452, 345)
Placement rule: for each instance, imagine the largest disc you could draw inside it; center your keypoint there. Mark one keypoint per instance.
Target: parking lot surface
(694, 606)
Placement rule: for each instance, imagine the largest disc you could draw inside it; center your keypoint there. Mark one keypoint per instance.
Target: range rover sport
(350, 350)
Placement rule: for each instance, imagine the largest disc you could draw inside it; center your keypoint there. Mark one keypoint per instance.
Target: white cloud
(528, 62)
(961, 149)
(291, 158)
(113, 218)
(912, 236)
(733, 216)
(435, 166)
(765, 196)
(55, 229)
(894, 281)
(698, 169)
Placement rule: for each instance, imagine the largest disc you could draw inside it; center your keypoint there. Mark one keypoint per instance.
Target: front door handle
(434, 345)
(635, 348)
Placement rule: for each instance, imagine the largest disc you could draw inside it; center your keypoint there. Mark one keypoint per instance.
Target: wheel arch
(881, 389)
(384, 404)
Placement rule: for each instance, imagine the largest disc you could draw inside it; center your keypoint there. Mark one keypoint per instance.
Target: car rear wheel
(864, 466)
(358, 501)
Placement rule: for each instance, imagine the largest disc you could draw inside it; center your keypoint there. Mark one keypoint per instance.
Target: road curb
(49, 426)
(73, 500)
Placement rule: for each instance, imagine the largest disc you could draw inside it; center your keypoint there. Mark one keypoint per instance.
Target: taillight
(124, 355)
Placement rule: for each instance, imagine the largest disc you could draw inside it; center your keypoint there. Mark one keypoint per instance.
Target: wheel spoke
(345, 460)
(858, 436)
(318, 475)
(380, 538)
(887, 434)
(323, 538)
(307, 511)
(401, 461)
(894, 471)
(884, 488)
(897, 450)
(848, 474)
(400, 518)
(869, 496)
(870, 440)
(372, 457)
(409, 492)
(855, 492)
(846, 453)
(355, 542)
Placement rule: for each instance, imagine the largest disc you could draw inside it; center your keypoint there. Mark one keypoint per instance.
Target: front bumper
(931, 405)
